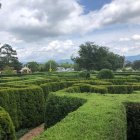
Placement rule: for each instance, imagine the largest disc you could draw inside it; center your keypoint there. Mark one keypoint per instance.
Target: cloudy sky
(53, 29)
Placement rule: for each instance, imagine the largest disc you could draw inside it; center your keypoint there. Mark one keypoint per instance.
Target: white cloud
(56, 49)
(41, 29)
(31, 20)
(136, 37)
(124, 39)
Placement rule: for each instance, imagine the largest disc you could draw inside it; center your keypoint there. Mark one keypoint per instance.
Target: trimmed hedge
(120, 89)
(105, 74)
(96, 82)
(81, 88)
(7, 131)
(120, 81)
(133, 121)
(54, 86)
(58, 107)
(25, 105)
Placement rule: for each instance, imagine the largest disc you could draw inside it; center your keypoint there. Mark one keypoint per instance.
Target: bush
(84, 74)
(105, 74)
(133, 121)
(81, 88)
(54, 86)
(121, 81)
(120, 89)
(58, 107)
(7, 131)
(25, 105)
(96, 82)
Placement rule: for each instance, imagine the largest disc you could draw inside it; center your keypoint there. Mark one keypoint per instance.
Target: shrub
(7, 131)
(84, 74)
(120, 89)
(96, 82)
(81, 88)
(58, 107)
(24, 105)
(54, 86)
(8, 70)
(133, 121)
(120, 81)
(105, 74)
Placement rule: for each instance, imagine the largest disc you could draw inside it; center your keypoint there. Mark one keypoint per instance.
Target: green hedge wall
(133, 121)
(54, 86)
(25, 105)
(120, 89)
(58, 107)
(121, 81)
(81, 88)
(7, 131)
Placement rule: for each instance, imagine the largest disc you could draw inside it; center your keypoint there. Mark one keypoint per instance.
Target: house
(61, 69)
(26, 70)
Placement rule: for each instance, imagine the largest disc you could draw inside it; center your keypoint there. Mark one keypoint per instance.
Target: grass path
(33, 133)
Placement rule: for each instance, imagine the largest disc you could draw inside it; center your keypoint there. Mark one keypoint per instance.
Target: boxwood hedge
(7, 131)
(58, 107)
(25, 105)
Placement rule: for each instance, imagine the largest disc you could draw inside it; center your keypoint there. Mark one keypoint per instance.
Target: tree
(94, 57)
(128, 64)
(34, 66)
(8, 57)
(136, 65)
(41, 67)
(51, 64)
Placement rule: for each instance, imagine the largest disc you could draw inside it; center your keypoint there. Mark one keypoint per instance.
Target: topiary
(105, 74)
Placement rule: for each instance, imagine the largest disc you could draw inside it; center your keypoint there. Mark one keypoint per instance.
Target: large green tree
(136, 65)
(34, 66)
(51, 64)
(95, 57)
(8, 57)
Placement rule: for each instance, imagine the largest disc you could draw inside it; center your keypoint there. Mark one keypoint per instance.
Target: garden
(71, 106)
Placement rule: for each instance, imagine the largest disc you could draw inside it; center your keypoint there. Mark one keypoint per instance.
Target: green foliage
(120, 89)
(105, 74)
(58, 107)
(34, 66)
(81, 88)
(136, 65)
(54, 86)
(8, 70)
(7, 131)
(102, 117)
(8, 57)
(51, 64)
(84, 74)
(133, 120)
(25, 105)
(121, 81)
(94, 57)
(41, 67)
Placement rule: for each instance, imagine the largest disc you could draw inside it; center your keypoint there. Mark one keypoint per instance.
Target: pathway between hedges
(33, 133)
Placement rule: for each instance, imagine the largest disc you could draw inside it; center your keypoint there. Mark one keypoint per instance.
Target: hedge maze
(72, 107)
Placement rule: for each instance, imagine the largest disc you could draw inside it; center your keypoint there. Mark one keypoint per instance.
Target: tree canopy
(95, 57)
(34, 66)
(136, 65)
(8, 57)
(51, 64)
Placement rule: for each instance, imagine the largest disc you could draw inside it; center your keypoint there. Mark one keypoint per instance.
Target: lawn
(102, 117)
